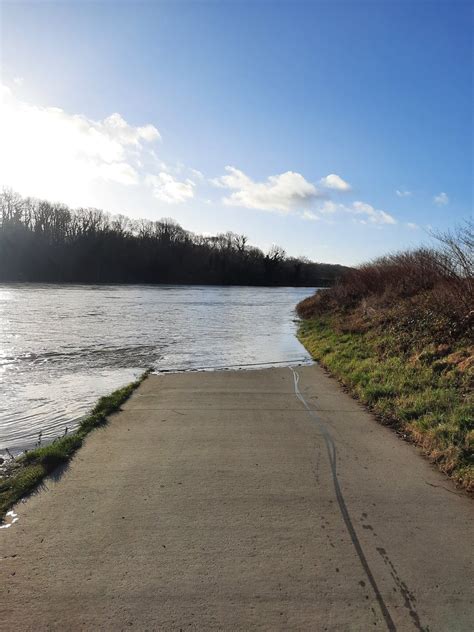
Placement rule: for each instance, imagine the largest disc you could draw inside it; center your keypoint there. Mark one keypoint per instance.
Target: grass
(29, 470)
(425, 395)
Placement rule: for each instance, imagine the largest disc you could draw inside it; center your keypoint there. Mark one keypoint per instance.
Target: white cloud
(283, 193)
(330, 211)
(441, 199)
(371, 214)
(117, 128)
(48, 152)
(334, 182)
(119, 172)
(328, 207)
(366, 213)
(197, 175)
(310, 216)
(412, 226)
(167, 189)
(18, 81)
(291, 192)
(402, 193)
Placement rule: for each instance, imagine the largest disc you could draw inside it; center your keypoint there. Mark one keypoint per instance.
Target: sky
(338, 130)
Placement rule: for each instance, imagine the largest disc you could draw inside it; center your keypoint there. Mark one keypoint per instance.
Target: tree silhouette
(42, 241)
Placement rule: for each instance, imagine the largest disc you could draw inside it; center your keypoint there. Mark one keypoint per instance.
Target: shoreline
(21, 474)
(99, 338)
(24, 473)
(144, 284)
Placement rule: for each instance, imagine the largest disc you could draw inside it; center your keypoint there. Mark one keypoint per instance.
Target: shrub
(425, 292)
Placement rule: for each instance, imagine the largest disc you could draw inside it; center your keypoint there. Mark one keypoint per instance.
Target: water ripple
(61, 347)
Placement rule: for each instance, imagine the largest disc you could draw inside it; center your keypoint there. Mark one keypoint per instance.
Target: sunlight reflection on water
(61, 347)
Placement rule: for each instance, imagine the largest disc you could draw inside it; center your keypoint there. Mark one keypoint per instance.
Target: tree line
(41, 241)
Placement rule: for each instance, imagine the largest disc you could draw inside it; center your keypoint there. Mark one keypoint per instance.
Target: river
(63, 346)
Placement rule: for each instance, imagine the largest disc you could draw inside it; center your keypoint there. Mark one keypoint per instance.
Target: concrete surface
(221, 501)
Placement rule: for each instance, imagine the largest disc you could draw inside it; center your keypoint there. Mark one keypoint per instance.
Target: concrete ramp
(244, 500)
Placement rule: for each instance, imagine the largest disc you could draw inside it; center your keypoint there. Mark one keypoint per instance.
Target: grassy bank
(26, 472)
(398, 333)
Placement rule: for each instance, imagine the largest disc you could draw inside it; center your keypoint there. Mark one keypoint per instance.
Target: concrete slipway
(244, 500)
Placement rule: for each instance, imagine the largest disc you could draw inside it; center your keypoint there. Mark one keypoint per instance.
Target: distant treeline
(42, 241)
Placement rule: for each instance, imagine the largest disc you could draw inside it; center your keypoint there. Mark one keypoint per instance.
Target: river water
(63, 346)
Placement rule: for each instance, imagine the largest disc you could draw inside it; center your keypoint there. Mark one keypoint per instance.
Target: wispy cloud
(281, 193)
(363, 213)
(402, 193)
(310, 216)
(335, 183)
(168, 189)
(197, 175)
(328, 207)
(441, 199)
(371, 214)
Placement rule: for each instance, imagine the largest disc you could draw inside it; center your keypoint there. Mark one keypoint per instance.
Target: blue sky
(231, 116)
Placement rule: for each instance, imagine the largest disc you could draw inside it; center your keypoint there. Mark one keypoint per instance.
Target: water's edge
(62, 347)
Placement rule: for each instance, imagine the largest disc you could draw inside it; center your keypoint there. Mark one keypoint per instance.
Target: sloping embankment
(426, 395)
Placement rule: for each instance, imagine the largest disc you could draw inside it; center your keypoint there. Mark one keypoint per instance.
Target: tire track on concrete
(331, 450)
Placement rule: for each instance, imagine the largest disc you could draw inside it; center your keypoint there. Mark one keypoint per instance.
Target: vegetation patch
(398, 334)
(22, 475)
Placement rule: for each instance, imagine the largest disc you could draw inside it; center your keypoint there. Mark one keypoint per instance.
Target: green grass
(33, 466)
(425, 397)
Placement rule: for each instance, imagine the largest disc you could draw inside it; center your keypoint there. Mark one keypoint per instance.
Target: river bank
(22, 475)
(398, 333)
(426, 397)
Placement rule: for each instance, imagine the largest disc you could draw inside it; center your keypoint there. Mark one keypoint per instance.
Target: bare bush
(437, 281)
